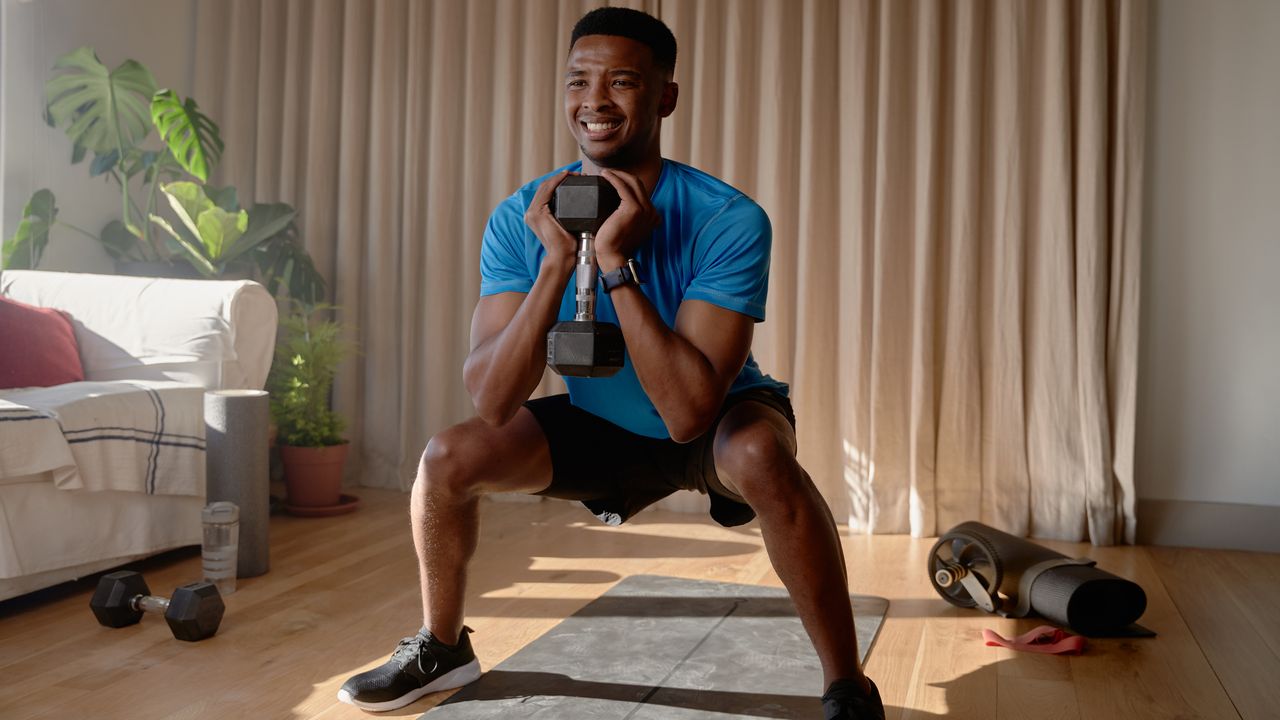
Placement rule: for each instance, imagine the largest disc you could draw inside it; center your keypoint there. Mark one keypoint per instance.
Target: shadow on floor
(544, 691)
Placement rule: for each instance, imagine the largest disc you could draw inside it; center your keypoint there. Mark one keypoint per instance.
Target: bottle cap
(220, 513)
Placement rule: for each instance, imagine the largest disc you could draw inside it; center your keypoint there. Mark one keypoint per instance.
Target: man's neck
(648, 171)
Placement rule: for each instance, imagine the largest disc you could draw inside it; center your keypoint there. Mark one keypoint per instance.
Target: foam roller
(973, 565)
(236, 428)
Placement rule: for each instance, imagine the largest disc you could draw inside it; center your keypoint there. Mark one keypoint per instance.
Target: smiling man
(685, 267)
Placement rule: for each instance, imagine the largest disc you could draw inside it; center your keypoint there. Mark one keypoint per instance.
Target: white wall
(34, 34)
(1209, 379)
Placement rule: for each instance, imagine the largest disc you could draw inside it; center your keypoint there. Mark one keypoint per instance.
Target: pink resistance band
(1044, 639)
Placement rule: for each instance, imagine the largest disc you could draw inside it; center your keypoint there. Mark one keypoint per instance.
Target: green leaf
(219, 230)
(191, 136)
(224, 197)
(265, 222)
(138, 160)
(119, 242)
(308, 353)
(24, 249)
(284, 263)
(77, 153)
(195, 252)
(188, 201)
(100, 110)
(103, 163)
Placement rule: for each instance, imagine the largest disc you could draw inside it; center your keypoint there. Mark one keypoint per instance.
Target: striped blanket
(124, 435)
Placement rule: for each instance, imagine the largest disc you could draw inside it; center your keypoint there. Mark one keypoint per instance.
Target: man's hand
(630, 226)
(561, 247)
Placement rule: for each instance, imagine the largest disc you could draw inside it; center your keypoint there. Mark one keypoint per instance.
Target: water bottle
(221, 521)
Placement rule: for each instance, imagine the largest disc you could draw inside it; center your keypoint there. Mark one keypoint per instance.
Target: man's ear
(667, 105)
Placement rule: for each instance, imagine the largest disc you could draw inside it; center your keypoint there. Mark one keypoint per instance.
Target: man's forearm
(503, 371)
(677, 377)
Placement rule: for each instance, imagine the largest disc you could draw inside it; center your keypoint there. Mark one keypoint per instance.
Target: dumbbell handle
(150, 603)
(586, 278)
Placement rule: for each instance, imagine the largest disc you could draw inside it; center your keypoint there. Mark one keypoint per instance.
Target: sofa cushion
(37, 347)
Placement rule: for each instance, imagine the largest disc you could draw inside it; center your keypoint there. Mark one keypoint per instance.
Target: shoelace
(409, 648)
(413, 648)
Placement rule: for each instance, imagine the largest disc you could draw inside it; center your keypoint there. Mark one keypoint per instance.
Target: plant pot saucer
(346, 504)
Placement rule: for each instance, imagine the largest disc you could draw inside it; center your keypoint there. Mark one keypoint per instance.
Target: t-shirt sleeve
(503, 267)
(731, 259)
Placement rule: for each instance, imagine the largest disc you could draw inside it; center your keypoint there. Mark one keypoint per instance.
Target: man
(684, 260)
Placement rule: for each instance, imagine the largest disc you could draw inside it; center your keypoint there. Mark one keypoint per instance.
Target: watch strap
(628, 272)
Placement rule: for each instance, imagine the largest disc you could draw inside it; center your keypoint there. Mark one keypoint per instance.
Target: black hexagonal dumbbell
(194, 612)
(583, 347)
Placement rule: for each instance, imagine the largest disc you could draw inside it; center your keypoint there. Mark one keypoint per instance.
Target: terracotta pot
(313, 475)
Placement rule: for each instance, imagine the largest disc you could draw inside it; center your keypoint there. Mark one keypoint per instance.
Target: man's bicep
(723, 337)
(492, 315)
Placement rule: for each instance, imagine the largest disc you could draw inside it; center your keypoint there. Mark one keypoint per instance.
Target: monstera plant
(110, 114)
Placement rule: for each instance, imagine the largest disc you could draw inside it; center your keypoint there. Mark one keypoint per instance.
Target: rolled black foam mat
(1086, 599)
(661, 647)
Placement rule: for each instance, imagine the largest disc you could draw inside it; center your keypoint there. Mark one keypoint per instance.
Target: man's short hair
(639, 26)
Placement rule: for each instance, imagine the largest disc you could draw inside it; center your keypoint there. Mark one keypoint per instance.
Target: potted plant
(110, 115)
(308, 431)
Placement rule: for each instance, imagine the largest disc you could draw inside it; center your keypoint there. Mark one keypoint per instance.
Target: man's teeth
(602, 126)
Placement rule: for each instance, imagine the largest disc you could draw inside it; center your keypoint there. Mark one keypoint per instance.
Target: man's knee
(756, 460)
(448, 462)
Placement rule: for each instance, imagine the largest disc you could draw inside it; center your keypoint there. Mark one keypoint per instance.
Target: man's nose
(596, 97)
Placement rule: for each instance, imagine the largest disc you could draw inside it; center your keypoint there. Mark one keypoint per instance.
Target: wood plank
(1226, 599)
(342, 590)
(1256, 582)
(1138, 678)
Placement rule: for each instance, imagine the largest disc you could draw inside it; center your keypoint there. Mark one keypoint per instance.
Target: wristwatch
(628, 272)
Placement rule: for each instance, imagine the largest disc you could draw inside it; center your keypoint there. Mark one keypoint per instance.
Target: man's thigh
(513, 457)
(614, 472)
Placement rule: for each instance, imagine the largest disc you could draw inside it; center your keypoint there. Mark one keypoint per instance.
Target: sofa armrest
(219, 334)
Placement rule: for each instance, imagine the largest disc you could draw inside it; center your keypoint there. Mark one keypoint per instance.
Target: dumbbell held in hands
(583, 347)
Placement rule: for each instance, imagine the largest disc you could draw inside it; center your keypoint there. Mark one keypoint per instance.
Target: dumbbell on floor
(194, 612)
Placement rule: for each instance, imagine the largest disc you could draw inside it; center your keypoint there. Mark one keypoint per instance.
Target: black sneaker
(845, 700)
(419, 666)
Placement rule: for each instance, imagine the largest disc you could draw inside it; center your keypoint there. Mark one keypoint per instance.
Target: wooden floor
(342, 591)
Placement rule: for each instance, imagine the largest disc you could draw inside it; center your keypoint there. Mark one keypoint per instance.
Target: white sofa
(74, 501)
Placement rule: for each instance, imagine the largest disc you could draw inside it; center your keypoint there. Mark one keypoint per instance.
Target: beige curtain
(955, 189)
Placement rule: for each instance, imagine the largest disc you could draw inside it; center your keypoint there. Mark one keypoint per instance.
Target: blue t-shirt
(712, 245)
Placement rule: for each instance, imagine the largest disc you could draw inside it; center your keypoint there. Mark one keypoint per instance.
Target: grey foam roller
(236, 426)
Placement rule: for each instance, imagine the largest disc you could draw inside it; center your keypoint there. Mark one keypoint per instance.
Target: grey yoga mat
(661, 647)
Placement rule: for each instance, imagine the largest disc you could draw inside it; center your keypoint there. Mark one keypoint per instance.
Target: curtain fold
(955, 190)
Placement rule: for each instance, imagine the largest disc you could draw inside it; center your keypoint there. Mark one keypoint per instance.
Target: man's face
(614, 98)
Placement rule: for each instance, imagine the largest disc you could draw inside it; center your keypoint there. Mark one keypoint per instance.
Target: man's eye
(623, 83)
(577, 83)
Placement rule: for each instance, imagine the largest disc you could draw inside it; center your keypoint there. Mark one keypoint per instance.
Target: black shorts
(617, 473)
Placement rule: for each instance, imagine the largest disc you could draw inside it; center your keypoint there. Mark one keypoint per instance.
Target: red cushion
(37, 347)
